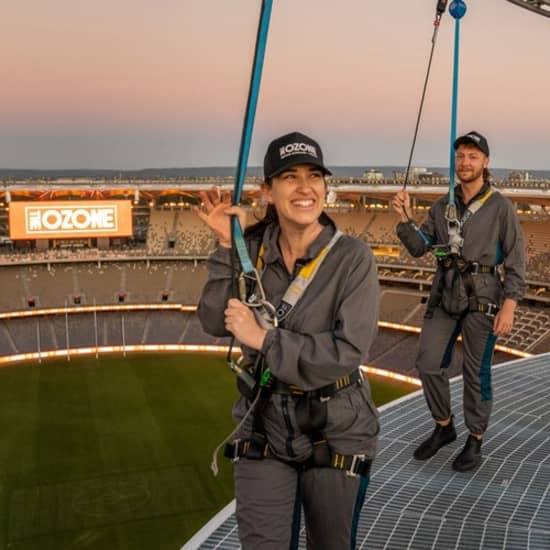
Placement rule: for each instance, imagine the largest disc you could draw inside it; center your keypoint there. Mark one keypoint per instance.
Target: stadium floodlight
(542, 7)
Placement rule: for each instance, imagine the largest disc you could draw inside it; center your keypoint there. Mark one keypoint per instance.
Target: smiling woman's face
(298, 195)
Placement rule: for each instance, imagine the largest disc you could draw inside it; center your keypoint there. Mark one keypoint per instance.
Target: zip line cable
(440, 10)
(457, 9)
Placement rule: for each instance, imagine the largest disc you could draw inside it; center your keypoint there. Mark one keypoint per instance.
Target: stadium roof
(421, 505)
(189, 187)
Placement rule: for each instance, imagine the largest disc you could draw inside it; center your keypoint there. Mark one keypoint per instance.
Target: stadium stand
(139, 282)
(399, 306)
(532, 326)
(158, 234)
(178, 232)
(169, 267)
(7, 345)
(536, 238)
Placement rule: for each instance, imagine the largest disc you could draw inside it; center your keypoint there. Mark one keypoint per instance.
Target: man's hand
(401, 203)
(504, 319)
(241, 322)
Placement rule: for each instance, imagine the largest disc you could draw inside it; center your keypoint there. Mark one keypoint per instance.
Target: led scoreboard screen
(70, 219)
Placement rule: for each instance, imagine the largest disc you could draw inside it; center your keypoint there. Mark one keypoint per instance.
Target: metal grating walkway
(505, 504)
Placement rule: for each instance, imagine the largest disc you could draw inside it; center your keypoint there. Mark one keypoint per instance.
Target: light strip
(416, 330)
(190, 309)
(106, 350)
(393, 375)
(144, 348)
(91, 309)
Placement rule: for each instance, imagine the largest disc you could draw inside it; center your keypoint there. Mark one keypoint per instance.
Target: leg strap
(354, 465)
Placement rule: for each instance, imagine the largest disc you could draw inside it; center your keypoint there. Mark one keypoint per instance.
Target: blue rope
(253, 94)
(457, 9)
(246, 137)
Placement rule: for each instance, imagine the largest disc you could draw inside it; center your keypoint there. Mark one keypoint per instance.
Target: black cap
(290, 150)
(475, 138)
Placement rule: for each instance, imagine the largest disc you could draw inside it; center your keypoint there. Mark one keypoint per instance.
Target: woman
(311, 437)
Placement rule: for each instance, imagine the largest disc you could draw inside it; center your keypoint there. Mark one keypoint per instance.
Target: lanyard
(300, 283)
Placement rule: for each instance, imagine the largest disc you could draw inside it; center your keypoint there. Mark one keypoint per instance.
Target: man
(467, 296)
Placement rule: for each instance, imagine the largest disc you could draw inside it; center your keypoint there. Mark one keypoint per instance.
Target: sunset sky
(142, 84)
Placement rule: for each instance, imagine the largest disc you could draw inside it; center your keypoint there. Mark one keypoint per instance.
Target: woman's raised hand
(216, 211)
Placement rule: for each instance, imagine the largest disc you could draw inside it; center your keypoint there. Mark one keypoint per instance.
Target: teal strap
(246, 137)
(253, 93)
(457, 9)
(240, 246)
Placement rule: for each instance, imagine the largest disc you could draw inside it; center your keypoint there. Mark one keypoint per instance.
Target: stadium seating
(137, 274)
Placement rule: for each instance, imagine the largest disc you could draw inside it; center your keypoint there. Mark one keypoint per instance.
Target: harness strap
(463, 269)
(475, 206)
(311, 417)
(464, 266)
(300, 283)
(324, 393)
(354, 465)
(455, 226)
(470, 289)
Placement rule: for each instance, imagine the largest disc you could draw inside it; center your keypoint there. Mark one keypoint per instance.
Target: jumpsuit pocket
(352, 421)
(488, 289)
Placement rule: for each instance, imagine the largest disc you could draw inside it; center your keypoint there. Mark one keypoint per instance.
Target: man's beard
(469, 175)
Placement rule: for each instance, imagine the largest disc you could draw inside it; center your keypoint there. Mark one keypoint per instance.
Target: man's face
(469, 163)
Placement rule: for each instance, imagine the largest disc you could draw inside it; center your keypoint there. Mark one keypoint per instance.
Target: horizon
(113, 100)
(339, 171)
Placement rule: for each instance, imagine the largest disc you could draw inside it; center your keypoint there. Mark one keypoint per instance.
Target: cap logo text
(297, 148)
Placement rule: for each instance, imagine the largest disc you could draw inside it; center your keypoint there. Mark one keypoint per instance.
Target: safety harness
(311, 417)
(454, 266)
(310, 407)
(298, 285)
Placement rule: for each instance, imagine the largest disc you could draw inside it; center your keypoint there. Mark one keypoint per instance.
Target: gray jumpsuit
(326, 336)
(492, 236)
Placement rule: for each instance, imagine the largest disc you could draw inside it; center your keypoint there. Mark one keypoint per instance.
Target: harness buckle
(492, 310)
(356, 461)
(324, 398)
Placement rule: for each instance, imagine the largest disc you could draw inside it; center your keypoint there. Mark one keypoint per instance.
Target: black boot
(470, 457)
(442, 435)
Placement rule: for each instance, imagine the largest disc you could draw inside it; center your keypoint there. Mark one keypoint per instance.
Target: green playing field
(115, 454)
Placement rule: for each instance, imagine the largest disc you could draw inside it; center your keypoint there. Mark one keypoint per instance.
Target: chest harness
(258, 385)
(453, 265)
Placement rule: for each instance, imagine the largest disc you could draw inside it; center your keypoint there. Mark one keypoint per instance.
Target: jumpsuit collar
(272, 251)
(485, 187)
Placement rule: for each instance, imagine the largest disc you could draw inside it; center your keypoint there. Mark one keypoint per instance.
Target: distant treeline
(222, 171)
